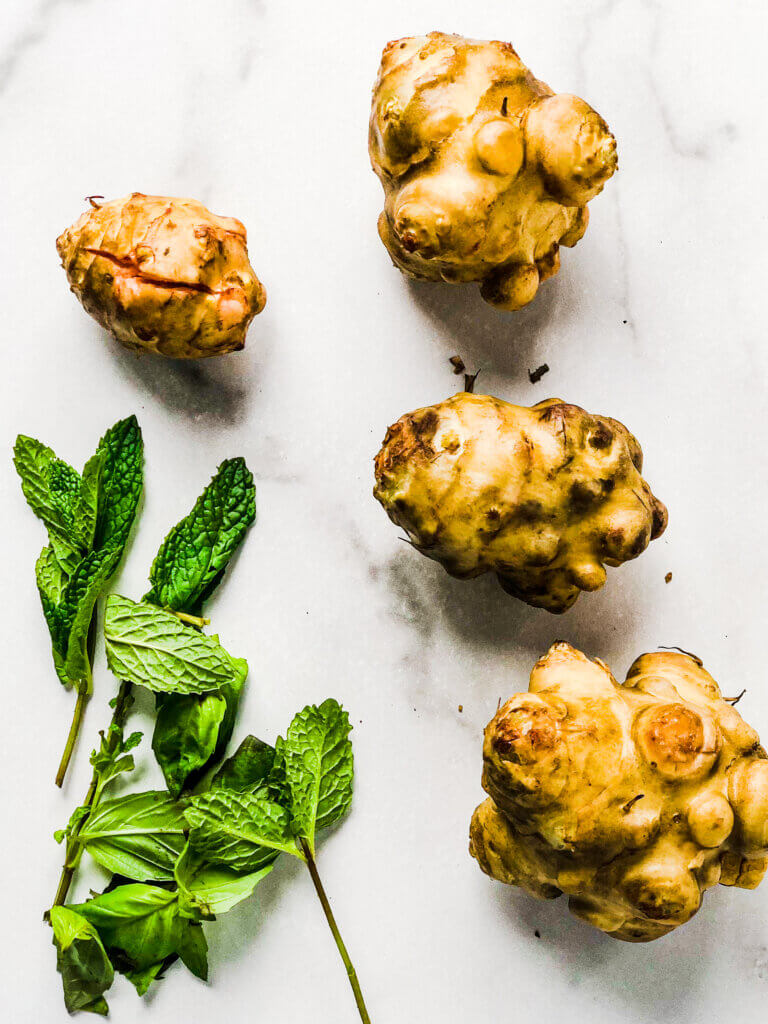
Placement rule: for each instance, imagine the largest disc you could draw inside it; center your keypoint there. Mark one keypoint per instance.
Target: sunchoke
(486, 172)
(542, 496)
(163, 275)
(632, 799)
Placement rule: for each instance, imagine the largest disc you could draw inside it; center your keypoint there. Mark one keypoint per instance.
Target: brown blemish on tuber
(163, 275)
(632, 799)
(486, 172)
(545, 496)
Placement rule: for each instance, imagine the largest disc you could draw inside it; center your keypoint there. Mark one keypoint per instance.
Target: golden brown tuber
(163, 275)
(632, 799)
(486, 172)
(544, 497)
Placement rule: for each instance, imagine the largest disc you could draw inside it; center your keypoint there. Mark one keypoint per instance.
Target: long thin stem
(83, 697)
(74, 731)
(74, 847)
(324, 903)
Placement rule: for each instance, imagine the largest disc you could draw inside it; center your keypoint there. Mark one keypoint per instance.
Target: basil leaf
(139, 921)
(248, 768)
(82, 961)
(319, 768)
(186, 735)
(193, 949)
(151, 647)
(206, 890)
(141, 980)
(121, 482)
(139, 836)
(243, 831)
(194, 555)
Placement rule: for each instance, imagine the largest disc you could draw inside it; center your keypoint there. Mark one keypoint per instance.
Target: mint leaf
(243, 831)
(206, 890)
(185, 736)
(82, 961)
(86, 507)
(139, 836)
(44, 483)
(151, 647)
(319, 768)
(194, 555)
(121, 482)
(248, 768)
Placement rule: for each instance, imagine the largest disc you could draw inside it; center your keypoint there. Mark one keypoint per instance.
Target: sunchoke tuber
(486, 172)
(632, 799)
(542, 496)
(163, 275)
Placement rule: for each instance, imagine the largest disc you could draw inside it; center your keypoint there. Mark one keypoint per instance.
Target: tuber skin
(545, 496)
(163, 275)
(632, 799)
(486, 172)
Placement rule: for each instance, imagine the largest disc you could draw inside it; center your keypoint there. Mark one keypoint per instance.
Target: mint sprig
(88, 518)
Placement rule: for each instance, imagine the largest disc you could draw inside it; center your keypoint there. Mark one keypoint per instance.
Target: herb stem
(325, 904)
(191, 620)
(74, 731)
(83, 696)
(74, 848)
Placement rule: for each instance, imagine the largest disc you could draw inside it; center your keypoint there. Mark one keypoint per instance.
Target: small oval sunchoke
(486, 172)
(632, 799)
(542, 496)
(163, 275)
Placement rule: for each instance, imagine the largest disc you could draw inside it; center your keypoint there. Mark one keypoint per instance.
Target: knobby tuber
(163, 275)
(486, 172)
(631, 799)
(545, 497)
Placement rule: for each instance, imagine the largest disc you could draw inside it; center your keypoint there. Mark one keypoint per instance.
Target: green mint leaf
(139, 836)
(247, 769)
(86, 506)
(122, 450)
(194, 555)
(51, 581)
(82, 961)
(45, 480)
(151, 647)
(243, 831)
(185, 737)
(319, 768)
(76, 610)
(138, 924)
(206, 890)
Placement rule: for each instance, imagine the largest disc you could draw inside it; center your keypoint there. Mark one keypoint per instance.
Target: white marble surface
(260, 109)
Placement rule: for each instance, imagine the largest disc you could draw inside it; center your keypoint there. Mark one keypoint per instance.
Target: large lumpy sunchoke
(486, 172)
(632, 799)
(163, 275)
(542, 496)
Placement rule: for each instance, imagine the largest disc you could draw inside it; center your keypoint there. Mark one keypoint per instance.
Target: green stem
(74, 730)
(83, 697)
(191, 620)
(324, 903)
(74, 848)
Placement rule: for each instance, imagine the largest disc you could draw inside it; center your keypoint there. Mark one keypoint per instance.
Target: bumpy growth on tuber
(486, 172)
(163, 275)
(632, 799)
(545, 497)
